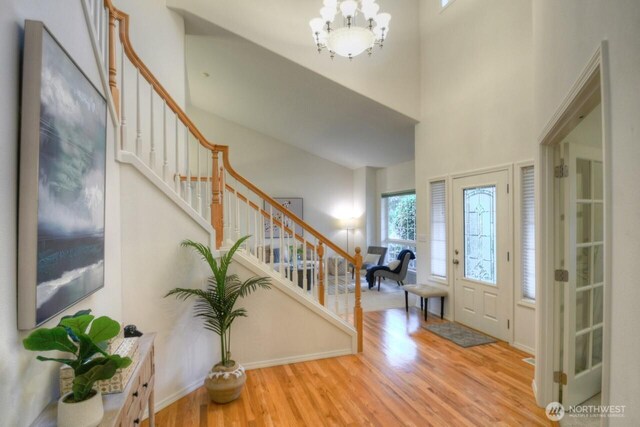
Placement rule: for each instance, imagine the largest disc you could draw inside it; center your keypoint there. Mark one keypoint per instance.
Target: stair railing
(156, 133)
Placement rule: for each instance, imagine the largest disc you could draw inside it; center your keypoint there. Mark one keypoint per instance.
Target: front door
(482, 241)
(584, 264)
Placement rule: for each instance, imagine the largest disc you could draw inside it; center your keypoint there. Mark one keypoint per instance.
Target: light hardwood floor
(406, 376)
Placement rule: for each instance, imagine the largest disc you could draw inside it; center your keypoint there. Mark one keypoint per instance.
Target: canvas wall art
(294, 204)
(62, 181)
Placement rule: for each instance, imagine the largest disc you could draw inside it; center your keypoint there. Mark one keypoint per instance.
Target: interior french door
(482, 240)
(584, 262)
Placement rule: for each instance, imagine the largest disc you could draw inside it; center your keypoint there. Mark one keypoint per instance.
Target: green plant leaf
(77, 314)
(103, 329)
(82, 384)
(69, 362)
(77, 324)
(87, 348)
(49, 339)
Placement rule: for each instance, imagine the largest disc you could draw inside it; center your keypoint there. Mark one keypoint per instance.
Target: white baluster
(198, 185)
(138, 120)
(152, 153)
(123, 117)
(209, 183)
(305, 280)
(336, 275)
(255, 232)
(237, 211)
(346, 290)
(165, 145)
(189, 189)
(294, 259)
(271, 234)
(247, 220)
(177, 171)
(282, 272)
(227, 217)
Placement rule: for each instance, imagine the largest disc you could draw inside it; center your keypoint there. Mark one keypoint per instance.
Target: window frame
(432, 277)
(384, 223)
(518, 267)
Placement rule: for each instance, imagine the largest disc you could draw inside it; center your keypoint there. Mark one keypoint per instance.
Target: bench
(425, 292)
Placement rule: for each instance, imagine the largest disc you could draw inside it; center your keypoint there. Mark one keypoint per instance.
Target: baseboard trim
(296, 359)
(524, 348)
(179, 394)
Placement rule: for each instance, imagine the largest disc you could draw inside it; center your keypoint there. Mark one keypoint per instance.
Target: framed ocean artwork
(61, 230)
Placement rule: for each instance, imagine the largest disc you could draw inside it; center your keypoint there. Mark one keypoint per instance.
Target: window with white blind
(438, 229)
(527, 233)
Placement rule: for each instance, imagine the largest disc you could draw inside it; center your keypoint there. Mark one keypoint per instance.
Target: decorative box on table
(127, 348)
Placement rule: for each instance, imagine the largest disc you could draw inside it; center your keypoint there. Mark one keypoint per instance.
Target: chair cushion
(371, 259)
(393, 264)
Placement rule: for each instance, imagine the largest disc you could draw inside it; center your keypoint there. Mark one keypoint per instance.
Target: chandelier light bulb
(382, 20)
(316, 25)
(348, 8)
(328, 13)
(370, 10)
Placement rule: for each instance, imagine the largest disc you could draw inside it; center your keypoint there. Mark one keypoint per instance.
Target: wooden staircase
(169, 149)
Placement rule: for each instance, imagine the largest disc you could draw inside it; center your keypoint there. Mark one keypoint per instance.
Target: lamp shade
(370, 10)
(316, 25)
(350, 42)
(382, 20)
(348, 8)
(328, 13)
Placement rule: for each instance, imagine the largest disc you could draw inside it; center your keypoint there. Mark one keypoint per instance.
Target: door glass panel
(583, 309)
(596, 352)
(480, 234)
(598, 223)
(597, 305)
(598, 264)
(583, 179)
(582, 352)
(583, 222)
(597, 180)
(583, 264)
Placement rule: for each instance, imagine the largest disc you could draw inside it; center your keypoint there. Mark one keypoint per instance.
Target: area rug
(459, 334)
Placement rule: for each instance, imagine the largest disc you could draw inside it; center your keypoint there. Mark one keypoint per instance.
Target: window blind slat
(528, 239)
(438, 230)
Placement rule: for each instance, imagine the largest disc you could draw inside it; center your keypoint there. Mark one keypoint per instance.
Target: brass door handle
(456, 262)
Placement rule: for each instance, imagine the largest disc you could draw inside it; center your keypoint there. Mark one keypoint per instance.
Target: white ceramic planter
(88, 413)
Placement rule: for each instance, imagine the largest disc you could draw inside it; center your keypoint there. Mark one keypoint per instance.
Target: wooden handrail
(285, 211)
(123, 18)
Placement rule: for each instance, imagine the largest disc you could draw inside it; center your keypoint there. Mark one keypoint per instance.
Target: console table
(124, 409)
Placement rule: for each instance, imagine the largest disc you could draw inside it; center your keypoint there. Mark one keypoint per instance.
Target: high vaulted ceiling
(258, 89)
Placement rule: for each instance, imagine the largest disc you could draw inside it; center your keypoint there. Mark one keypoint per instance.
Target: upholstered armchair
(395, 270)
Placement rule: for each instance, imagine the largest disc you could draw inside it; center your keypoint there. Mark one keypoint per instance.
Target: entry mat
(459, 334)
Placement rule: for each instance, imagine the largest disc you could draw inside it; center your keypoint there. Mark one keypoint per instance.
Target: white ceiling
(266, 92)
(391, 76)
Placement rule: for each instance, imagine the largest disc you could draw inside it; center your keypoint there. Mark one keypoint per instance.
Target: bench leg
(426, 306)
(421, 302)
(406, 301)
(441, 307)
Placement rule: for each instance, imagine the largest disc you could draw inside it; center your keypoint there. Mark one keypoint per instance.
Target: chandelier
(350, 39)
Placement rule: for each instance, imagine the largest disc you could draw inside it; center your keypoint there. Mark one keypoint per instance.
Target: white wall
(364, 209)
(281, 170)
(154, 263)
(26, 385)
(477, 103)
(157, 34)
(269, 337)
(566, 34)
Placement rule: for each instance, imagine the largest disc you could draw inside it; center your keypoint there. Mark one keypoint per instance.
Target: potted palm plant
(82, 338)
(215, 305)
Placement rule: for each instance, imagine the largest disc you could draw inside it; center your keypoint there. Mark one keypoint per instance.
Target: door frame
(592, 83)
(510, 236)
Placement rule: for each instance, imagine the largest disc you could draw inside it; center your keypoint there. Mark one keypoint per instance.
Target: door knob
(456, 262)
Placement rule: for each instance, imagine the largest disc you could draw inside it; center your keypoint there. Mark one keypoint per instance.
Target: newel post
(216, 200)
(320, 250)
(357, 309)
(113, 84)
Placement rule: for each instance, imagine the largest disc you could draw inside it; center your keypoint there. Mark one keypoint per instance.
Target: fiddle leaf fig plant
(215, 305)
(84, 339)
